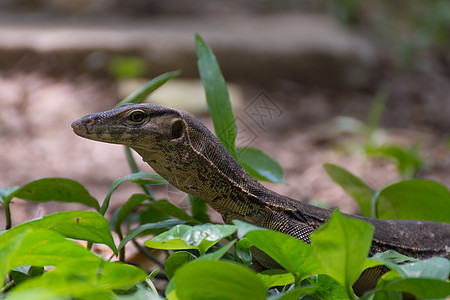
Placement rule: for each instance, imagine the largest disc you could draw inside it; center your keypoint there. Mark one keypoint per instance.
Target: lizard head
(140, 126)
(173, 142)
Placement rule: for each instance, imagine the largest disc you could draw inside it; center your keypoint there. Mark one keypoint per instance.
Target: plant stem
(135, 169)
(8, 216)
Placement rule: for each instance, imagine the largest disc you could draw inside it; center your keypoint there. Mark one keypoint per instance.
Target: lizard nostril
(88, 121)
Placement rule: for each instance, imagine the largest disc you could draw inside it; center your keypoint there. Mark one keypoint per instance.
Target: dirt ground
(37, 141)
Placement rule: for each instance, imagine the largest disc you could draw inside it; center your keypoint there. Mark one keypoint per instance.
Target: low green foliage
(408, 199)
(121, 66)
(40, 259)
(407, 159)
(255, 161)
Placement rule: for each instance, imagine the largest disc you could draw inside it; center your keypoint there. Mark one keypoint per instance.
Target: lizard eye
(137, 116)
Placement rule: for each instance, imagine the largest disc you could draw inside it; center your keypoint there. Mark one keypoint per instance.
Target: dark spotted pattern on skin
(198, 164)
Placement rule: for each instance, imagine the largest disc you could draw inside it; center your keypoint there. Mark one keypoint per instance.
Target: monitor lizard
(183, 151)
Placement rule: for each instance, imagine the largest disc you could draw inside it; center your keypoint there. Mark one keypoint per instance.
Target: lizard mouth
(79, 128)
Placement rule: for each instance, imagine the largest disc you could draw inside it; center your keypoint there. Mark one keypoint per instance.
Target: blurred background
(363, 84)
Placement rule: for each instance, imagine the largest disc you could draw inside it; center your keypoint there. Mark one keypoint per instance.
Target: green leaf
(22, 273)
(275, 277)
(433, 268)
(422, 288)
(170, 209)
(57, 189)
(296, 293)
(408, 160)
(217, 280)
(199, 210)
(83, 278)
(149, 88)
(416, 199)
(167, 224)
(176, 260)
(38, 293)
(389, 258)
(342, 245)
(38, 247)
(424, 279)
(218, 254)
(328, 288)
(243, 252)
(83, 225)
(135, 177)
(260, 165)
(292, 254)
(122, 66)
(217, 96)
(352, 185)
(79, 224)
(243, 228)
(200, 237)
(125, 209)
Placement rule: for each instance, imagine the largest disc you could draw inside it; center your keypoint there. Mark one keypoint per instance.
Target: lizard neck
(211, 174)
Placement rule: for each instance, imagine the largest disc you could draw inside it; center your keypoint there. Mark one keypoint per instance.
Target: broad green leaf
(38, 247)
(433, 268)
(135, 177)
(352, 185)
(200, 237)
(260, 165)
(328, 288)
(79, 224)
(292, 254)
(107, 275)
(389, 258)
(416, 199)
(393, 256)
(86, 279)
(217, 96)
(170, 209)
(423, 288)
(176, 260)
(243, 253)
(142, 293)
(342, 245)
(408, 160)
(218, 254)
(243, 228)
(149, 215)
(275, 277)
(199, 209)
(167, 224)
(295, 293)
(38, 293)
(22, 273)
(217, 280)
(147, 89)
(124, 66)
(57, 189)
(125, 209)
(8, 249)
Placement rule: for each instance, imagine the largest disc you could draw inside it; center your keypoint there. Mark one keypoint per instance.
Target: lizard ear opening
(177, 129)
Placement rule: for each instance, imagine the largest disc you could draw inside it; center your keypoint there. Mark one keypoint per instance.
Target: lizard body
(184, 152)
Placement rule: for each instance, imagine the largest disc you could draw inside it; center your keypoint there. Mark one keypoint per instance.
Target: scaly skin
(183, 151)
